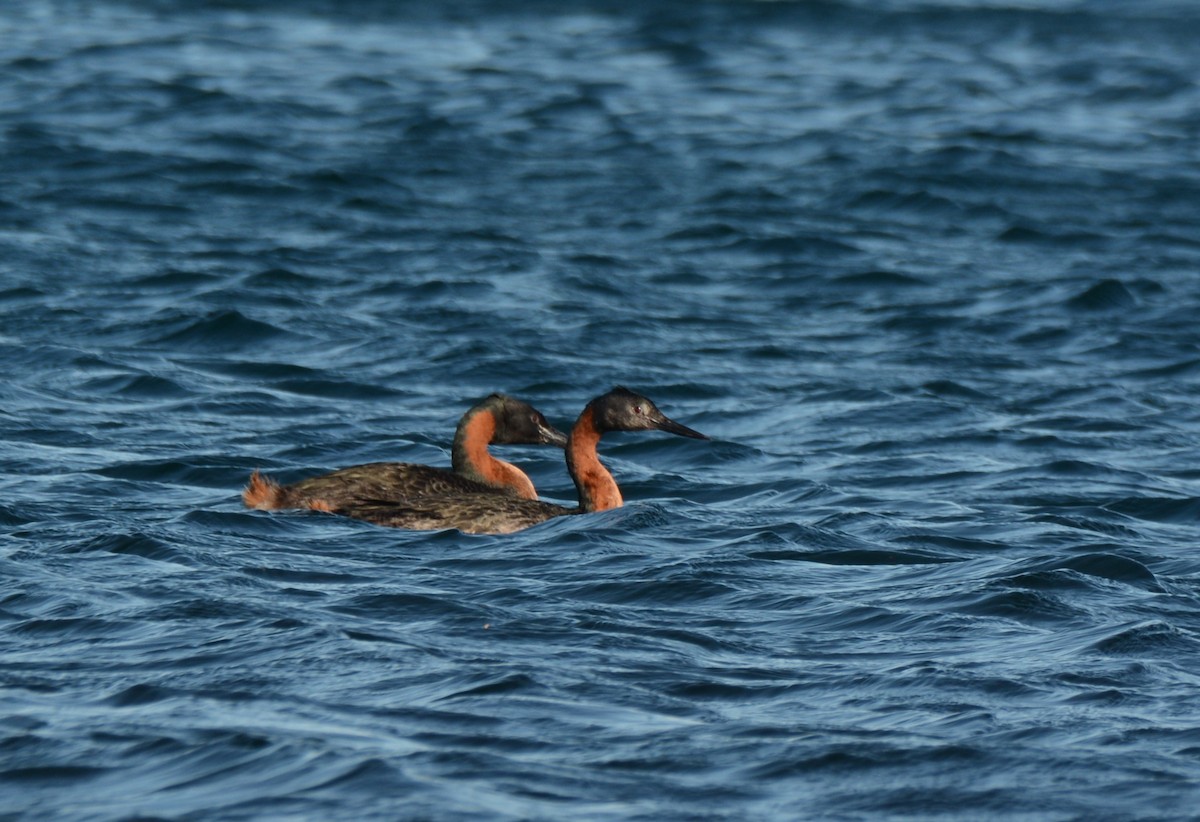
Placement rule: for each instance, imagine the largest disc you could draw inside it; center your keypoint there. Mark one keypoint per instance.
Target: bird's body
(498, 419)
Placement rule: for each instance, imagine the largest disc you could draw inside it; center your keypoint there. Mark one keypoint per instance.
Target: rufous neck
(597, 489)
(470, 457)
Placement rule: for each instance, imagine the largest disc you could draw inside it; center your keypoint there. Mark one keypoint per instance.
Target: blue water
(927, 272)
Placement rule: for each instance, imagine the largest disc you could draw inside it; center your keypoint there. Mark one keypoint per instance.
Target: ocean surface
(928, 273)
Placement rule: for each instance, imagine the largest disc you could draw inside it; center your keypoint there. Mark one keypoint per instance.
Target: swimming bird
(497, 419)
(618, 410)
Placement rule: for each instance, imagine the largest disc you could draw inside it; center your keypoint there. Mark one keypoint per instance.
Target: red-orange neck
(471, 459)
(598, 490)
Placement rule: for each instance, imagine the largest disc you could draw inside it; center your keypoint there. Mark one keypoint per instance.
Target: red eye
(637, 409)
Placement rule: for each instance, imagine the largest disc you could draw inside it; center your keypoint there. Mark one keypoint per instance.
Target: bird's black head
(519, 423)
(623, 410)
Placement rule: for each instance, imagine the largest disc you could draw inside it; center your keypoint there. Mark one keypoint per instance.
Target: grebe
(498, 419)
(618, 410)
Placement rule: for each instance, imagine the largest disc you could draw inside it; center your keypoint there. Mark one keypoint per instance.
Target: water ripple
(923, 270)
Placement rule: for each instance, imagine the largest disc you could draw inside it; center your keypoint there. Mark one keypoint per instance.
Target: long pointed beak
(552, 436)
(672, 427)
